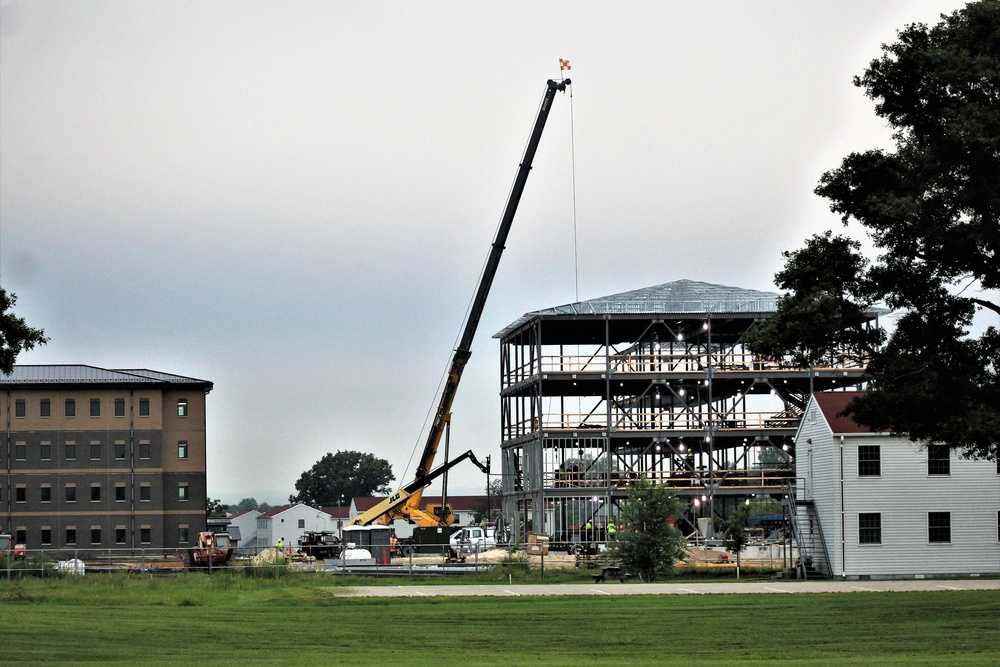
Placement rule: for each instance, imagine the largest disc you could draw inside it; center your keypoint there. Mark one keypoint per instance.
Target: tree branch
(986, 304)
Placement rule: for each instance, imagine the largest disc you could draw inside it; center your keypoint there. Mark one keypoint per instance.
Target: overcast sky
(294, 200)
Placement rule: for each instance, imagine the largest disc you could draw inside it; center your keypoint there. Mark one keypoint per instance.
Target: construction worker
(612, 531)
(587, 530)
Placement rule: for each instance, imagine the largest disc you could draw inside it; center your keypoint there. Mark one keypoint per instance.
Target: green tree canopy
(215, 508)
(15, 334)
(734, 529)
(649, 544)
(248, 504)
(932, 210)
(342, 475)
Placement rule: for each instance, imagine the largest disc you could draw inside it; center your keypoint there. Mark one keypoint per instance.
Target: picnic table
(611, 572)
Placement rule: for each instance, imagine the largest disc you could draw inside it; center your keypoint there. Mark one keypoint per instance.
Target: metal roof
(83, 374)
(678, 297)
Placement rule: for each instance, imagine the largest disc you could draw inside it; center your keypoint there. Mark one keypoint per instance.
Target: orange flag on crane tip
(564, 64)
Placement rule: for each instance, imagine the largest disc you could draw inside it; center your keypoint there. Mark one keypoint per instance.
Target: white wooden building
(246, 523)
(288, 523)
(888, 507)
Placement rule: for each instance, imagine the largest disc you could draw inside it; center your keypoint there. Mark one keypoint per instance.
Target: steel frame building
(653, 382)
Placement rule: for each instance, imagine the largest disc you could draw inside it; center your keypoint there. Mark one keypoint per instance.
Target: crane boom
(406, 502)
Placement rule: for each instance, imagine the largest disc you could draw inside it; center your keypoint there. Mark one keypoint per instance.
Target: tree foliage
(15, 334)
(649, 544)
(342, 476)
(931, 208)
(247, 504)
(734, 530)
(215, 509)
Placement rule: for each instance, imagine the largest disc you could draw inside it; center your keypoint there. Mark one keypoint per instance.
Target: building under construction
(654, 382)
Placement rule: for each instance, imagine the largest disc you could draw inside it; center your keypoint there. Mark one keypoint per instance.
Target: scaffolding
(656, 383)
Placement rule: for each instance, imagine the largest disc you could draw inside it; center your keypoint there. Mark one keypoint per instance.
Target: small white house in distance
(246, 523)
(288, 523)
(888, 507)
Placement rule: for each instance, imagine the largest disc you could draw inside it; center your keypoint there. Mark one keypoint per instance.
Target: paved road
(714, 588)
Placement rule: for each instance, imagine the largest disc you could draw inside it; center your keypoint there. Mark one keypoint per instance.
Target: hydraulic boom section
(406, 503)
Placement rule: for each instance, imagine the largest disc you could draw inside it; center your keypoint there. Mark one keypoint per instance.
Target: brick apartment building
(102, 459)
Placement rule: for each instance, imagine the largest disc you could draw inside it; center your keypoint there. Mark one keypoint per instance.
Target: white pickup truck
(472, 538)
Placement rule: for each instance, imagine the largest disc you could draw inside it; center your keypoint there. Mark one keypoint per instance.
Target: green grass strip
(194, 620)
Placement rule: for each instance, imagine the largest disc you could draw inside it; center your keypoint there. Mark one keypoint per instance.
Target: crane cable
(432, 408)
(572, 153)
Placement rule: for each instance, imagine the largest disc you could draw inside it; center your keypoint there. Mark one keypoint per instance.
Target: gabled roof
(274, 511)
(236, 515)
(678, 297)
(84, 374)
(831, 404)
(342, 512)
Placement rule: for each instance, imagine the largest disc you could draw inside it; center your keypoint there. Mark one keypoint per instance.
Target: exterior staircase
(813, 560)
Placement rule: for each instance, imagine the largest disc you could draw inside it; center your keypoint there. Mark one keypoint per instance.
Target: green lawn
(296, 620)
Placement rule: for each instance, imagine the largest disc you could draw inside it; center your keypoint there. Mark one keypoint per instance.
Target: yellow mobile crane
(405, 503)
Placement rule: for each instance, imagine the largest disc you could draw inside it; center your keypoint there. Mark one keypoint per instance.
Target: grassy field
(296, 620)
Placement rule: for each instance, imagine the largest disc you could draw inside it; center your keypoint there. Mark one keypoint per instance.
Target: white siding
(904, 495)
(821, 484)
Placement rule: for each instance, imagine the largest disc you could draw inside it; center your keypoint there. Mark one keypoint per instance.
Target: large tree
(931, 208)
(15, 334)
(649, 543)
(343, 475)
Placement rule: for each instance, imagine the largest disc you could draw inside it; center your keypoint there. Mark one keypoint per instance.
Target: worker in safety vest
(612, 531)
(587, 530)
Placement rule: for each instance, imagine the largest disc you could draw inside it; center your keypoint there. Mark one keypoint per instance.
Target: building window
(45, 408)
(19, 409)
(46, 494)
(119, 407)
(95, 407)
(120, 493)
(71, 407)
(95, 535)
(182, 450)
(71, 494)
(182, 492)
(182, 534)
(46, 536)
(20, 494)
(95, 493)
(145, 534)
(143, 407)
(119, 450)
(20, 452)
(869, 460)
(870, 528)
(95, 452)
(21, 535)
(45, 452)
(120, 534)
(143, 450)
(939, 527)
(144, 493)
(302, 523)
(71, 536)
(182, 407)
(70, 452)
(938, 460)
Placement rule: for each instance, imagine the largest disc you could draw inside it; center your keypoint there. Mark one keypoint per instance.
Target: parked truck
(474, 538)
(321, 544)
